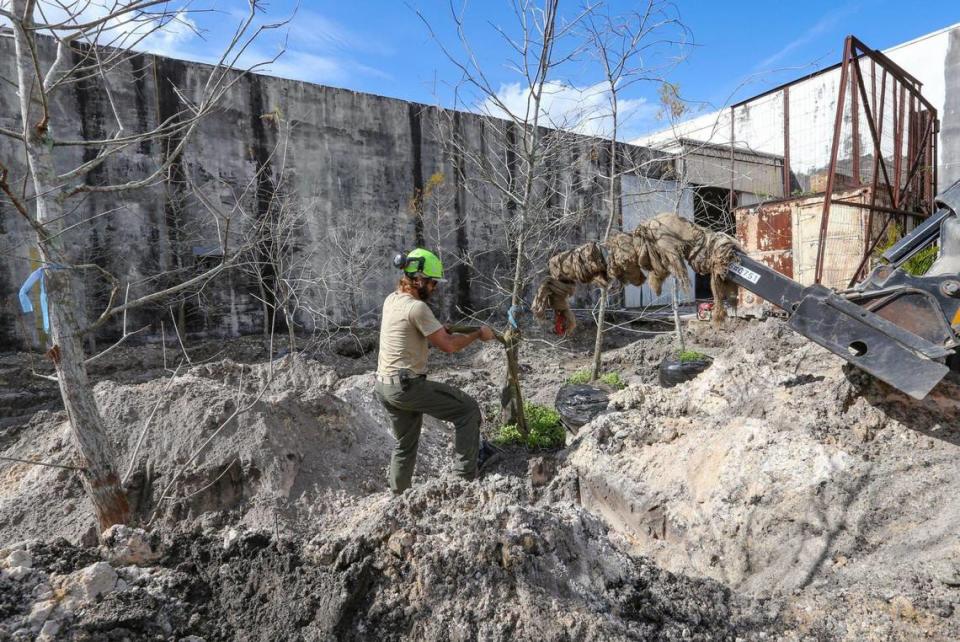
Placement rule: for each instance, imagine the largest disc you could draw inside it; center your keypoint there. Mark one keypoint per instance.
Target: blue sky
(382, 47)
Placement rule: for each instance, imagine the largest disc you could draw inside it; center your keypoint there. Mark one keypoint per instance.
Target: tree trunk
(100, 480)
(612, 201)
(65, 307)
(598, 340)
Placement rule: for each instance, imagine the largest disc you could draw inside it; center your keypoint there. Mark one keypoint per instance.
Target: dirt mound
(447, 561)
(782, 492)
(783, 471)
(308, 444)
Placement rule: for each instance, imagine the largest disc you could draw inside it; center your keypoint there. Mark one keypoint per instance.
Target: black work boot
(487, 456)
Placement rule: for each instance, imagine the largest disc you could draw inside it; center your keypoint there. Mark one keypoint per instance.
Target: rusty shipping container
(784, 235)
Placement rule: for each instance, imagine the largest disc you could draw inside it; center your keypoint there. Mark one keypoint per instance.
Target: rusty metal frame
(906, 126)
(914, 123)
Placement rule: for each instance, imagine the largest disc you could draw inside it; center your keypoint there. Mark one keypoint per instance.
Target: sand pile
(781, 471)
(781, 493)
(308, 444)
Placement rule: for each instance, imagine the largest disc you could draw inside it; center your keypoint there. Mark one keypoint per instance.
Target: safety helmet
(421, 261)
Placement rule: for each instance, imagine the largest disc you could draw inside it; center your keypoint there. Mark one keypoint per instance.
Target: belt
(396, 380)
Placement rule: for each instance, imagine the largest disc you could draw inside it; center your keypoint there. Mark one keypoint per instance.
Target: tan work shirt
(404, 326)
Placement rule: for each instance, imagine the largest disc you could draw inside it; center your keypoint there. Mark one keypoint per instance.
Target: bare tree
(91, 40)
(637, 47)
(516, 176)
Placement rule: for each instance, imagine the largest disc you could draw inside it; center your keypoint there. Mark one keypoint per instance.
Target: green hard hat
(425, 262)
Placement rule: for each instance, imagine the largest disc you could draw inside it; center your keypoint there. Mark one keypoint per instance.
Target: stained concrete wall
(354, 161)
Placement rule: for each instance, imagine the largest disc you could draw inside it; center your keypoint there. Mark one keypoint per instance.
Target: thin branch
(41, 463)
(126, 335)
(238, 411)
(86, 26)
(146, 425)
(176, 329)
(225, 470)
(156, 296)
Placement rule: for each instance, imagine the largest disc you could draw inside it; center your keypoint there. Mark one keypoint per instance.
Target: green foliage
(580, 376)
(613, 380)
(691, 355)
(544, 425)
(919, 263)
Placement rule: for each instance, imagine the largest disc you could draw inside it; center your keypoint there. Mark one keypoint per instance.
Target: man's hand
(485, 333)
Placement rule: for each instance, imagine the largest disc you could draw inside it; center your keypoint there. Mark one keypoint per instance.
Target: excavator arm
(902, 329)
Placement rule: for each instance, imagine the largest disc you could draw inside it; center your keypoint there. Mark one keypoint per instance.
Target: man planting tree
(408, 328)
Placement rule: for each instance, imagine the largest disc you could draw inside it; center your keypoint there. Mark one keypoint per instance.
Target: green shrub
(580, 376)
(544, 425)
(613, 380)
(691, 355)
(919, 263)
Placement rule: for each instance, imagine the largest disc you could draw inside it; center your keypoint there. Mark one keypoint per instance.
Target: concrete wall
(354, 162)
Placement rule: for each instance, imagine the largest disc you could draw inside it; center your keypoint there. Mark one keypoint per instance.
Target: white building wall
(933, 59)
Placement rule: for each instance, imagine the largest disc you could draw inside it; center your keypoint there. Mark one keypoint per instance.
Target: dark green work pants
(407, 403)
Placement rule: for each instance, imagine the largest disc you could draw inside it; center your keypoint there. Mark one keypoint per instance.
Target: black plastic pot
(674, 371)
(577, 404)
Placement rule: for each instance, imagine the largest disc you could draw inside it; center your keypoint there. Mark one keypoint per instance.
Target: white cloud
(315, 32)
(315, 48)
(166, 37)
(563, 106)
(171, 39)
(819, 28)
(301, 65)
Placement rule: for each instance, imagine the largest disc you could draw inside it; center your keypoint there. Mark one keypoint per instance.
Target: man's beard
(423, 292)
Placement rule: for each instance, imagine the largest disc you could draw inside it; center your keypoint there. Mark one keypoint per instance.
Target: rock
(17, 572)
(542, 470)
(192, 638)
(49, 630)
(91, 537)
(948, 573)
(230, 536)
(92, 582)
(40, 613)
(19, 558)
(400, 543)
(127, 546)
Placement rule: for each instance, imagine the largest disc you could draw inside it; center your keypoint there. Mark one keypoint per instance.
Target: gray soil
(780, 495)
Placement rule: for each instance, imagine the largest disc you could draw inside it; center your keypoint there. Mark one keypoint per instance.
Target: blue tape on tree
(26, 305)
(513, 314)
